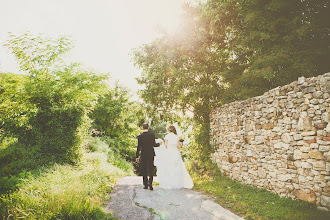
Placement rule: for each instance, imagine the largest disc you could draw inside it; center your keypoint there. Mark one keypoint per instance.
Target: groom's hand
(137, 160)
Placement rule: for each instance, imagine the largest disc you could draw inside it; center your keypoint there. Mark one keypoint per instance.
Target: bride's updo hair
(171, 128)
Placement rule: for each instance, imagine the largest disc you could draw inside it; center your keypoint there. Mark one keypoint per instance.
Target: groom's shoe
(145, 187)
(151, 188)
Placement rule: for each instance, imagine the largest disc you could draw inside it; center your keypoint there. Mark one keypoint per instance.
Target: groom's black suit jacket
(146, 144)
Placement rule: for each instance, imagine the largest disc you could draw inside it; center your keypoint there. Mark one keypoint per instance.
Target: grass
(65, 191)
(252, 203)
(151, 210)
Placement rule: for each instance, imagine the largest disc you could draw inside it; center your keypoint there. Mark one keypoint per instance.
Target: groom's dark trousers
(146, 144)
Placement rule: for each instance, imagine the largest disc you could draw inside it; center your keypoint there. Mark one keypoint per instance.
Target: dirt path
(130, 201)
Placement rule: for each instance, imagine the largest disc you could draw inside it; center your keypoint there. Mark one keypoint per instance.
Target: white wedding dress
(171, 171)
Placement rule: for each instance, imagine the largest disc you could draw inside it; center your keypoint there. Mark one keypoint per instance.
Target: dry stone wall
(279, 141)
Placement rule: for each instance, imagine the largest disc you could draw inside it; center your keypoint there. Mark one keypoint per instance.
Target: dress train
(171, 171)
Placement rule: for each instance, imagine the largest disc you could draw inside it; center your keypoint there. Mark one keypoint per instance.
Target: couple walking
(171, 171)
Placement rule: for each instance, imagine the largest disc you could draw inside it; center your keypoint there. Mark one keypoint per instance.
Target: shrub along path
(130, 201)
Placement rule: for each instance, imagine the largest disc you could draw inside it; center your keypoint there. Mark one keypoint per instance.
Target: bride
(171, 171)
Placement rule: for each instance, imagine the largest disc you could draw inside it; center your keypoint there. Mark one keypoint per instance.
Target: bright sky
(104, 31)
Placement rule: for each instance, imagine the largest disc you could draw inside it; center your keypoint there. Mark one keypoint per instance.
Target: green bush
(49, 114)
(56, 133)
(118, 161)
(64, 191)
(115, 156)
(123, 146)
(18, 161)
(95, 144)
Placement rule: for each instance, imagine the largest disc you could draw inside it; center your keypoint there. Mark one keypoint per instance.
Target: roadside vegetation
(64, 191)
(67, 133)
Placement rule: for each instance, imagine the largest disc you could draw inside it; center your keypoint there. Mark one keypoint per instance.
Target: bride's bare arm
(166, 143)
(180, 144)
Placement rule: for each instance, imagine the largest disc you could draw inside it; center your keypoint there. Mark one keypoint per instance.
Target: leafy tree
(271, 42)
(232, 50)
(12, 104)
(180, 75)
(117, 120)
(110, 113)
(58, 97)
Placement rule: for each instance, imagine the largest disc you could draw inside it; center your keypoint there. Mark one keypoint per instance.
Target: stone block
(314, 101)
(267, 126)
(305, 124)
(297, 154)
(310, 141)
(301, 80)
(314, 145)
(319, 165)
(225, 158)
(316, 173)
(247, 139)
(232, 159)
(325, 201)
(226, 168)
(262, 173)
(322, 142)
(259, 139)
(284, 177)
(321, 125)
(281, 145)
(308, 96)
(286, 138)
(307, 138)
(304, 156)
(319, 179)
(327, 129)
(305, 149)
(271, 115)
(287, 120)
(304, 196)
(311, 198)
(303, 107)
(300, 171)
(297, 163)
(321, 133)
(325, 117)
(249, 153)
(277, 129)
(308, 133)
(289, 105)
(249, 126)
(297, 137)
(306, 165)
(317, 94)
(316, 155)
(309, 90)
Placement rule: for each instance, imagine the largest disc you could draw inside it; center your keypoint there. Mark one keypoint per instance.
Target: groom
(146, 144)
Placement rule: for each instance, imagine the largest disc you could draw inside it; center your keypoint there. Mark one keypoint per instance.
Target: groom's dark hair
(145, 126)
